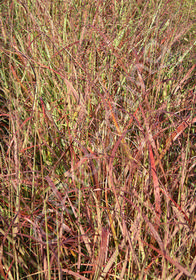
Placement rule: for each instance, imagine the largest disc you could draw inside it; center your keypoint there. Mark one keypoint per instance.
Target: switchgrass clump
(97, 127)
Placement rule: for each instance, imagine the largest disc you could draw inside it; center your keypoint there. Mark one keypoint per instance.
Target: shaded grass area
(97, 125)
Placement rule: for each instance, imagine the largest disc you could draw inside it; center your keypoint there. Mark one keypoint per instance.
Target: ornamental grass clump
(97, 127)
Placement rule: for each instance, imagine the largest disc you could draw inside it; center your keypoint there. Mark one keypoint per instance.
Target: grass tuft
(97, 140)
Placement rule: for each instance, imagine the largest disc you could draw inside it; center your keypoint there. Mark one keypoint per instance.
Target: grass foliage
(98, 146)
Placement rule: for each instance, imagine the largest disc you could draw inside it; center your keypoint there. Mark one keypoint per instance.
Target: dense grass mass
(98, 146)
